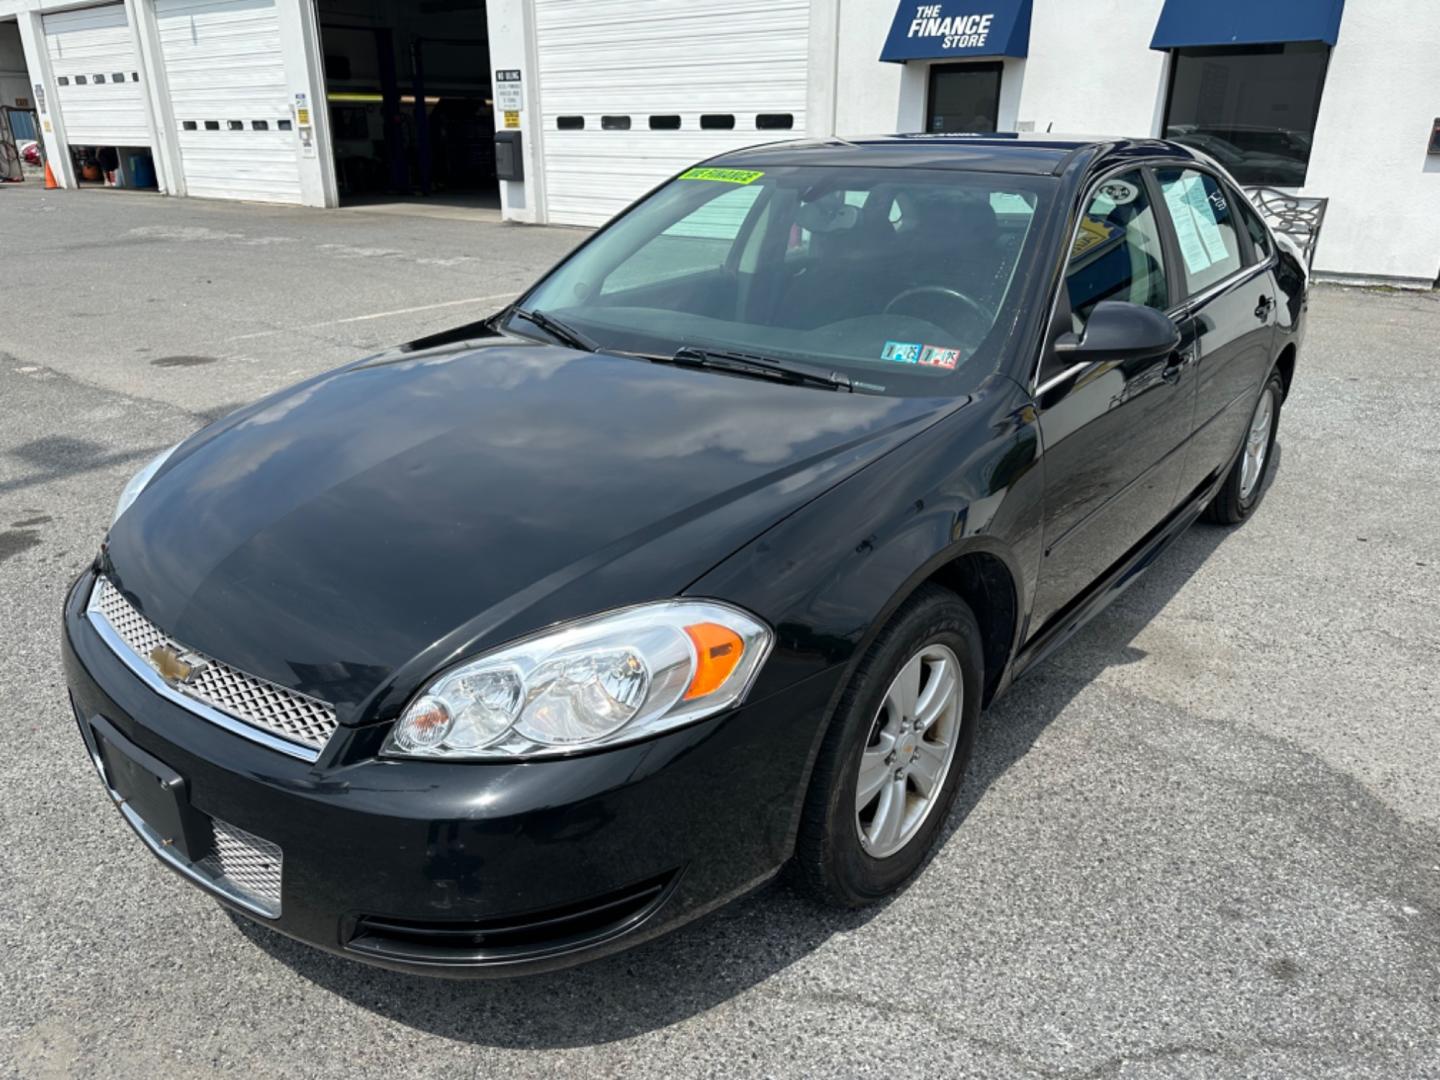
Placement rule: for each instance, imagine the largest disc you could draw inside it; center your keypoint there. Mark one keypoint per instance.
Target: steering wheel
(974, 307)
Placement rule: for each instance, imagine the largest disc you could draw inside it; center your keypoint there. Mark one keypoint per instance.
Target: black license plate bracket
(156, 793)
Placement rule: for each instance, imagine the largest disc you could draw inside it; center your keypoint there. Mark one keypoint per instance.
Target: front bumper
(476, 868)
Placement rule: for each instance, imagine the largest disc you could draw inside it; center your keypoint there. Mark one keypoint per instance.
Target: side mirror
(1118, 331)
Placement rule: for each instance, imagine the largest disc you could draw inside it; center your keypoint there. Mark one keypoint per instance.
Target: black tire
(830, 862)
(1230, 507)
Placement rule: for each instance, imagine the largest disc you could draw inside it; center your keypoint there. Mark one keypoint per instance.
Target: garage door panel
(87, 43)
(639, 58)
(600, 176)
(223, 64)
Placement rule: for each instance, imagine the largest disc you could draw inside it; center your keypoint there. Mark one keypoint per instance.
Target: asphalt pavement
(1202, 841)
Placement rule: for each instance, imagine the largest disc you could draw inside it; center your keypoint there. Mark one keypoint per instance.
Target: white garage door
(97, 75)
(230, 99)
(658, 85)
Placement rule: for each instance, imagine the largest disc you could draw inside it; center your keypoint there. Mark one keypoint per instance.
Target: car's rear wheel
(895, 754)
(1244, 487)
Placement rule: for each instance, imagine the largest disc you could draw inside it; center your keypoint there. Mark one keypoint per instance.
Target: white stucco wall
(1091, 71)
(1382, 94)
(868, 93)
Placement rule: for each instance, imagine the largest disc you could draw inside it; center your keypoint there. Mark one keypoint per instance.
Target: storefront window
(963, 97)
(1251, 108)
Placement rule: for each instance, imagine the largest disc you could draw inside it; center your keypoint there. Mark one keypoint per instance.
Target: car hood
(394, 515)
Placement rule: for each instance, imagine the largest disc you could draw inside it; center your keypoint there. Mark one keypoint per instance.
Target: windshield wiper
(765, 367)
(560, 331)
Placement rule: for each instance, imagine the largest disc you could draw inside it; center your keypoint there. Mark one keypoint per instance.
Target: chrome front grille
(299, 720)
(246, 863)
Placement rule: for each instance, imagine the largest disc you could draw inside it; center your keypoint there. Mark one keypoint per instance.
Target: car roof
(1032, 153)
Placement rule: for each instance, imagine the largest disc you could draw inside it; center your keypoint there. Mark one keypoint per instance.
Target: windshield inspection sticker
(935, 356)
(902, 352)
(725, 176)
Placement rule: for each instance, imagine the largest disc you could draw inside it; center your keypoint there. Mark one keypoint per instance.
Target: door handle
(1262, 309)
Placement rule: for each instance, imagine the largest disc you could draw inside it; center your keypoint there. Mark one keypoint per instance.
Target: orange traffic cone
(49, 178)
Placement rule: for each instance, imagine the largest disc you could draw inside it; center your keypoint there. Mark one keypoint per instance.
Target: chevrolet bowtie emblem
(173, 667)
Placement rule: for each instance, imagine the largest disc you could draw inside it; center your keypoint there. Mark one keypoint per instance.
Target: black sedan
(525, 642)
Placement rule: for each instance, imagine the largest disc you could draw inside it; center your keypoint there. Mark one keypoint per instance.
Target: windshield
(897, 278)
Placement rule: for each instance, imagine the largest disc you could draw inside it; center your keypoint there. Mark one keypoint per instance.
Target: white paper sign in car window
(1199, 201)
(1192, 248)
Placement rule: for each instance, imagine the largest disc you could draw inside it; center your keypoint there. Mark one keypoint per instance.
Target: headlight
(597, 682)
(137, 483)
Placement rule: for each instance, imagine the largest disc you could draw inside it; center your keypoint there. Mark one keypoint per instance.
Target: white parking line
(376, 315)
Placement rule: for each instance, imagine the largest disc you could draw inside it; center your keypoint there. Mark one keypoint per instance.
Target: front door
(963, 97)
(1114, 433)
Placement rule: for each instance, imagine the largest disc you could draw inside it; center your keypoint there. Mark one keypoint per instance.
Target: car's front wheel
(895, 754)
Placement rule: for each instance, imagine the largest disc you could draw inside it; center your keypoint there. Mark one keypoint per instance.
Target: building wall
(1382, 94)
(512, 45)
(300, 54)
(1087, 59)
(1091, 70)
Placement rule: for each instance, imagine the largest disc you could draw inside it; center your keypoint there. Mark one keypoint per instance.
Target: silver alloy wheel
(1257, 443)
(908, 754)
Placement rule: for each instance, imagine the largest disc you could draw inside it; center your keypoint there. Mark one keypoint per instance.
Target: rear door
(1114, 433)
(1230, 297)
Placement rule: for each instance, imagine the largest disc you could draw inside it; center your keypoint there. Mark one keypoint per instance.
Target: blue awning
(1188, 23)
(958, 29)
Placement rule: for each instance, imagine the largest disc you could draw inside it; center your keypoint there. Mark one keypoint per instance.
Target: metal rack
(1298, 217)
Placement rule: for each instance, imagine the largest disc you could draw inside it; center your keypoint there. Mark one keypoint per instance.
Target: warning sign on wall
(509, 90)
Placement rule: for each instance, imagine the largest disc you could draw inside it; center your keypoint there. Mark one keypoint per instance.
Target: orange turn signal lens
(717, 653)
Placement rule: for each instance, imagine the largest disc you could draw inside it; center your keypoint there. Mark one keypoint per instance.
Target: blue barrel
(142, 171)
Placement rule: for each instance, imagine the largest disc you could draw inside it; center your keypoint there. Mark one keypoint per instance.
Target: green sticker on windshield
(725, 176)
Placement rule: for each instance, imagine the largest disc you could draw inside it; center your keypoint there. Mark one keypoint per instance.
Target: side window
(1117, 254)
(1259, 235)
(699, 241)
(1205, 228)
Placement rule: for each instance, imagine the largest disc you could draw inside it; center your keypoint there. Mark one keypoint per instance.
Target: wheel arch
(985, 574)
(984, 581)
(1285, 364)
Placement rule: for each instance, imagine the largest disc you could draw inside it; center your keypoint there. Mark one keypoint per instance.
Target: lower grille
(505, 940)
(248, 864)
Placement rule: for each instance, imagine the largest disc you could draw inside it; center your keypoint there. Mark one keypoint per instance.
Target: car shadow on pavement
(705, 963)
